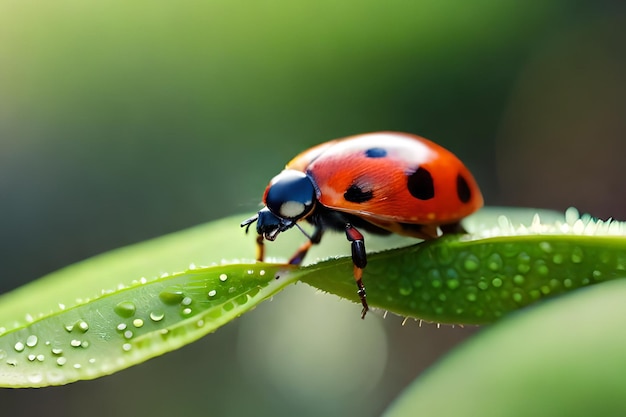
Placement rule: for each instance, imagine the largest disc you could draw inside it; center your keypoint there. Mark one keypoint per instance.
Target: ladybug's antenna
(303, 231)
(246, 223)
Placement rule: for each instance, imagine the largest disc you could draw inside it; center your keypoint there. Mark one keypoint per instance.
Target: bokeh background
(122, 121)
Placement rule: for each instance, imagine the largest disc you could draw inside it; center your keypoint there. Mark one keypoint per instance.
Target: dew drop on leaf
(125, 309)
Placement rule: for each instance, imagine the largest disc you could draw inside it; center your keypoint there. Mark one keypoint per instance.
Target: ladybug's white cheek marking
(291, 209)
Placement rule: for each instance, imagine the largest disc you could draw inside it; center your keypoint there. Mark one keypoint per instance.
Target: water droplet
(77, 366)
(228, 306)
(471, 263)
(471, 296)
(523, 263)
(541, 268)
(453, 284)
(41, 357)
(596, 274)
(577, 255)
(212, 293)
(138, 323)
(31, 357)
(69, 328)
(496, 282)
(82, 325)
(187, 311)
(557, 258)
(92, 360)
(125, 309)
(444, 255)
(567, 283)
(126, 347)
(75, 343)
(242, 299)
(223, 277)
(61, 361)
(262, 272)
(121, 327)
(57, 351)
(3, 354)
(84, 344)
(157, 316)
(518, 297)
(172, 295)
(200, 323)
(404, 287)
(35, 378)
(518, 279)
(31, 341)
(186, 301)
(545, 246)
(19, 347)
(451, 273)
(128, 334)
(482, 285)
(494, 262)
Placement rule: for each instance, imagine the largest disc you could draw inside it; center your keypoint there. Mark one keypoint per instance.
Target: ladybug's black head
(289, 197)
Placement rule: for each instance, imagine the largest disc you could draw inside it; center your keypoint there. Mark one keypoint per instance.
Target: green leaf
(131, 324)
(459, 281)
(124, 307)
(563, 358)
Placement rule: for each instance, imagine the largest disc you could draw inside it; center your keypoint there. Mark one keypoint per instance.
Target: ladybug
(384, 182)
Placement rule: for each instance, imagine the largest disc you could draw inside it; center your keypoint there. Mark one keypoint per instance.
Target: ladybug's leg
(260, 248)
(314, 239)
(359, 259)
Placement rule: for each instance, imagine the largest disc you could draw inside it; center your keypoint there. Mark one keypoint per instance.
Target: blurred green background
(122, 121)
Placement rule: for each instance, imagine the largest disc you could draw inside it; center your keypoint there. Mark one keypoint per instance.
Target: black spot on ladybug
(463, 189)
(356, 194)
(420, 184)
(376, 153)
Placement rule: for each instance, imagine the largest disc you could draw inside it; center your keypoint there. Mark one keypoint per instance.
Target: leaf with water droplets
(100, 316)
(481, 277)
(128, 326)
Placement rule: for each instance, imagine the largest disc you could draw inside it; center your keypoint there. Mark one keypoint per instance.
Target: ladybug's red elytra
(384, 182)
